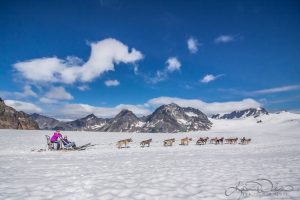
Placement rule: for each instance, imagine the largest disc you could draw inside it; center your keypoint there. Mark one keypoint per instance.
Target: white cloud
(276, 90)
(111, 83)
(75, 111)
(104, 55)
(209, 77)
(159, 76)
(41, 69)
(192, 44)
(83, 87)
(173, 64)
(74, 61)
(47, 100)
(136, 69)
(58, 93)
(27, 92)
(5, 94)
(23, 106)
(296, 111)
(263, 91)
(207, 108)
(224, 39)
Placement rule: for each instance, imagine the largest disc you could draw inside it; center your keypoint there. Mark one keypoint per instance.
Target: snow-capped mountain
(125, 121)
(12, 119)
(173, 118)
(250, 112)
(167, 118)
(88, 123)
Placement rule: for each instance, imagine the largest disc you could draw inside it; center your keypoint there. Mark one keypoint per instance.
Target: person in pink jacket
(55, 138)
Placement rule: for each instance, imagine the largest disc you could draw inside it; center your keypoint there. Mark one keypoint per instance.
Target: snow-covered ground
(178, 172)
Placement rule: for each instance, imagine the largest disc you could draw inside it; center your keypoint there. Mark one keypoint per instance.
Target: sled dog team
(186, 140)
(58, 139)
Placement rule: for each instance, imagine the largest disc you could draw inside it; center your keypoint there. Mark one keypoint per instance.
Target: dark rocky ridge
(251, 112)
(88, 123)
(45, 123)
(12, 119)
(124, 121)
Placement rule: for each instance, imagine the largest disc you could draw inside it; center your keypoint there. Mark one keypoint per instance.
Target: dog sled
(51, 146)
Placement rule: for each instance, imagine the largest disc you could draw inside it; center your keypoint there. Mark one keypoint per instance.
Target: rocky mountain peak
(90, 117)
(35, 115)
(126, 120)
(173, 118)
(126, 113)
(171, 106)
(250, 112)
(2, 104)
(169, 109)
(45, 123)
(12, 119)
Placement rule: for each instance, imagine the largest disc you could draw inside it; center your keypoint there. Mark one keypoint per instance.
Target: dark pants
(57, 144)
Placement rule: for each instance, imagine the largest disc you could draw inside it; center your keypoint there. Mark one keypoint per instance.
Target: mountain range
(166, 118)
(250, 112)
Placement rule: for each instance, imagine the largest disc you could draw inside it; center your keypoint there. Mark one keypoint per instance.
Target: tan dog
(213, 140)
(185, 141)
(231, 140)
(123, 142)
(169, 142)
(144, 142)
(228, 140)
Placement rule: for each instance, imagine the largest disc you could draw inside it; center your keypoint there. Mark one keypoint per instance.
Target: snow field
(178, 172)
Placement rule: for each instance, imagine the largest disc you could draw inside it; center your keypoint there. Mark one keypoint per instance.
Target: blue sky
(71, 58)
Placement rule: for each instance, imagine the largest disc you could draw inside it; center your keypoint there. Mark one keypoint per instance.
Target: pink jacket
(55, 136)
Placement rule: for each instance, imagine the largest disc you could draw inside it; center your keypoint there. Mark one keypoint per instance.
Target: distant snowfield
(178, 172)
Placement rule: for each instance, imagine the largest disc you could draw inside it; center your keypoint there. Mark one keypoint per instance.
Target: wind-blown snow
(97, 126)
(191, 114)
(140, 124)
(178, 172)
(182, 121)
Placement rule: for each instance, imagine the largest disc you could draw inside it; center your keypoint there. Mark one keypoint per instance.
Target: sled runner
(83, 147)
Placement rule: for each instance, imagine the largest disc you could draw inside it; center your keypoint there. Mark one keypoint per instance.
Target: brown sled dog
(144, 142)
(231, 140)
(169, 142)
(185, 141)
(123, 142)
